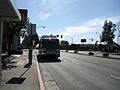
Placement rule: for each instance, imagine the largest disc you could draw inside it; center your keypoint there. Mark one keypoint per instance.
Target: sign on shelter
(24, 12)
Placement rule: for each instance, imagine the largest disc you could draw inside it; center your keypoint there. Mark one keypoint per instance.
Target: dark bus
(49, 46)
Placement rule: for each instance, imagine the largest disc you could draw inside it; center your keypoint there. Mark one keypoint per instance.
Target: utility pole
(99, 36)
(71, 39)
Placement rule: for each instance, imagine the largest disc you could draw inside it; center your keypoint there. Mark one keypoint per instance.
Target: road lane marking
(76, 63)
(115, 77)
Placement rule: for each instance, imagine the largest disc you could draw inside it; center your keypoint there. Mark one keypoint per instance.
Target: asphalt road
(81, 72)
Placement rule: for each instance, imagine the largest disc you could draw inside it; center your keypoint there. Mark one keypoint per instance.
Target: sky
(74, 19)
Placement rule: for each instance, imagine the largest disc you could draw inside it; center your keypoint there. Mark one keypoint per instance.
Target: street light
(99, 36)
(118, 35)
(71, 38)
(40, 26)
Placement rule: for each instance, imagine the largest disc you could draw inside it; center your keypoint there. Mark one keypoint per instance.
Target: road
(81, 72)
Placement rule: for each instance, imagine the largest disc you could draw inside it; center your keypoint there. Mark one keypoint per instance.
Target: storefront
(8, 11)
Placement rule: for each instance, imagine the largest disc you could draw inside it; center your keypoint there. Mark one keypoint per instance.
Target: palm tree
(12, 28)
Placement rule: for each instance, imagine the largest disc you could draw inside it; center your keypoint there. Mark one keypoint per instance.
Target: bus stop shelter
(8, 11)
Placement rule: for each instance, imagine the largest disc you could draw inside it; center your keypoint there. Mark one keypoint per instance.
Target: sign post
(31, 31)
(30, 47)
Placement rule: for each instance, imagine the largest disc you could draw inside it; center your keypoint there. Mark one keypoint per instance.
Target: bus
(49, 46)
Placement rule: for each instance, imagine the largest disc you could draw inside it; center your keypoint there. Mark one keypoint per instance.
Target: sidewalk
(16, 75)
(97, 54)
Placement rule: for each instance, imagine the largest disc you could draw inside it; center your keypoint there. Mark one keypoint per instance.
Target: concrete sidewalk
(17, 75)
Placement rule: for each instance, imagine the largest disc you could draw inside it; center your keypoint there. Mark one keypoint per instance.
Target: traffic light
(61, 36)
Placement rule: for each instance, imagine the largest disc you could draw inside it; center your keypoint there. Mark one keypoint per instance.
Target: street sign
(83, 40)
(31, 30)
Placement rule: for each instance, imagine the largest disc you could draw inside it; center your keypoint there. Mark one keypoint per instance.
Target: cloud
(92, 25)
(68, 31)
(100, 21)
(43, 15)
(58, 4)
(34, 2)
(51, 6)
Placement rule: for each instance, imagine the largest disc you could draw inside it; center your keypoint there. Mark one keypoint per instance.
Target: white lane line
(115, 77)
(76, 63)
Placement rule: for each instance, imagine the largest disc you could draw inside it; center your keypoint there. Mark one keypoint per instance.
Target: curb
(40, 79)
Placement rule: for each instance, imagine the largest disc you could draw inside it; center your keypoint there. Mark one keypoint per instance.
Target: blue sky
(75, 19)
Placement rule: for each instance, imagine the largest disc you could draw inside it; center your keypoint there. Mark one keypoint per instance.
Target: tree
(26, 42)
(64, 44)
(108, 33)
(12, 28)
(36, 39)
(118, 29)
(28, 38)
